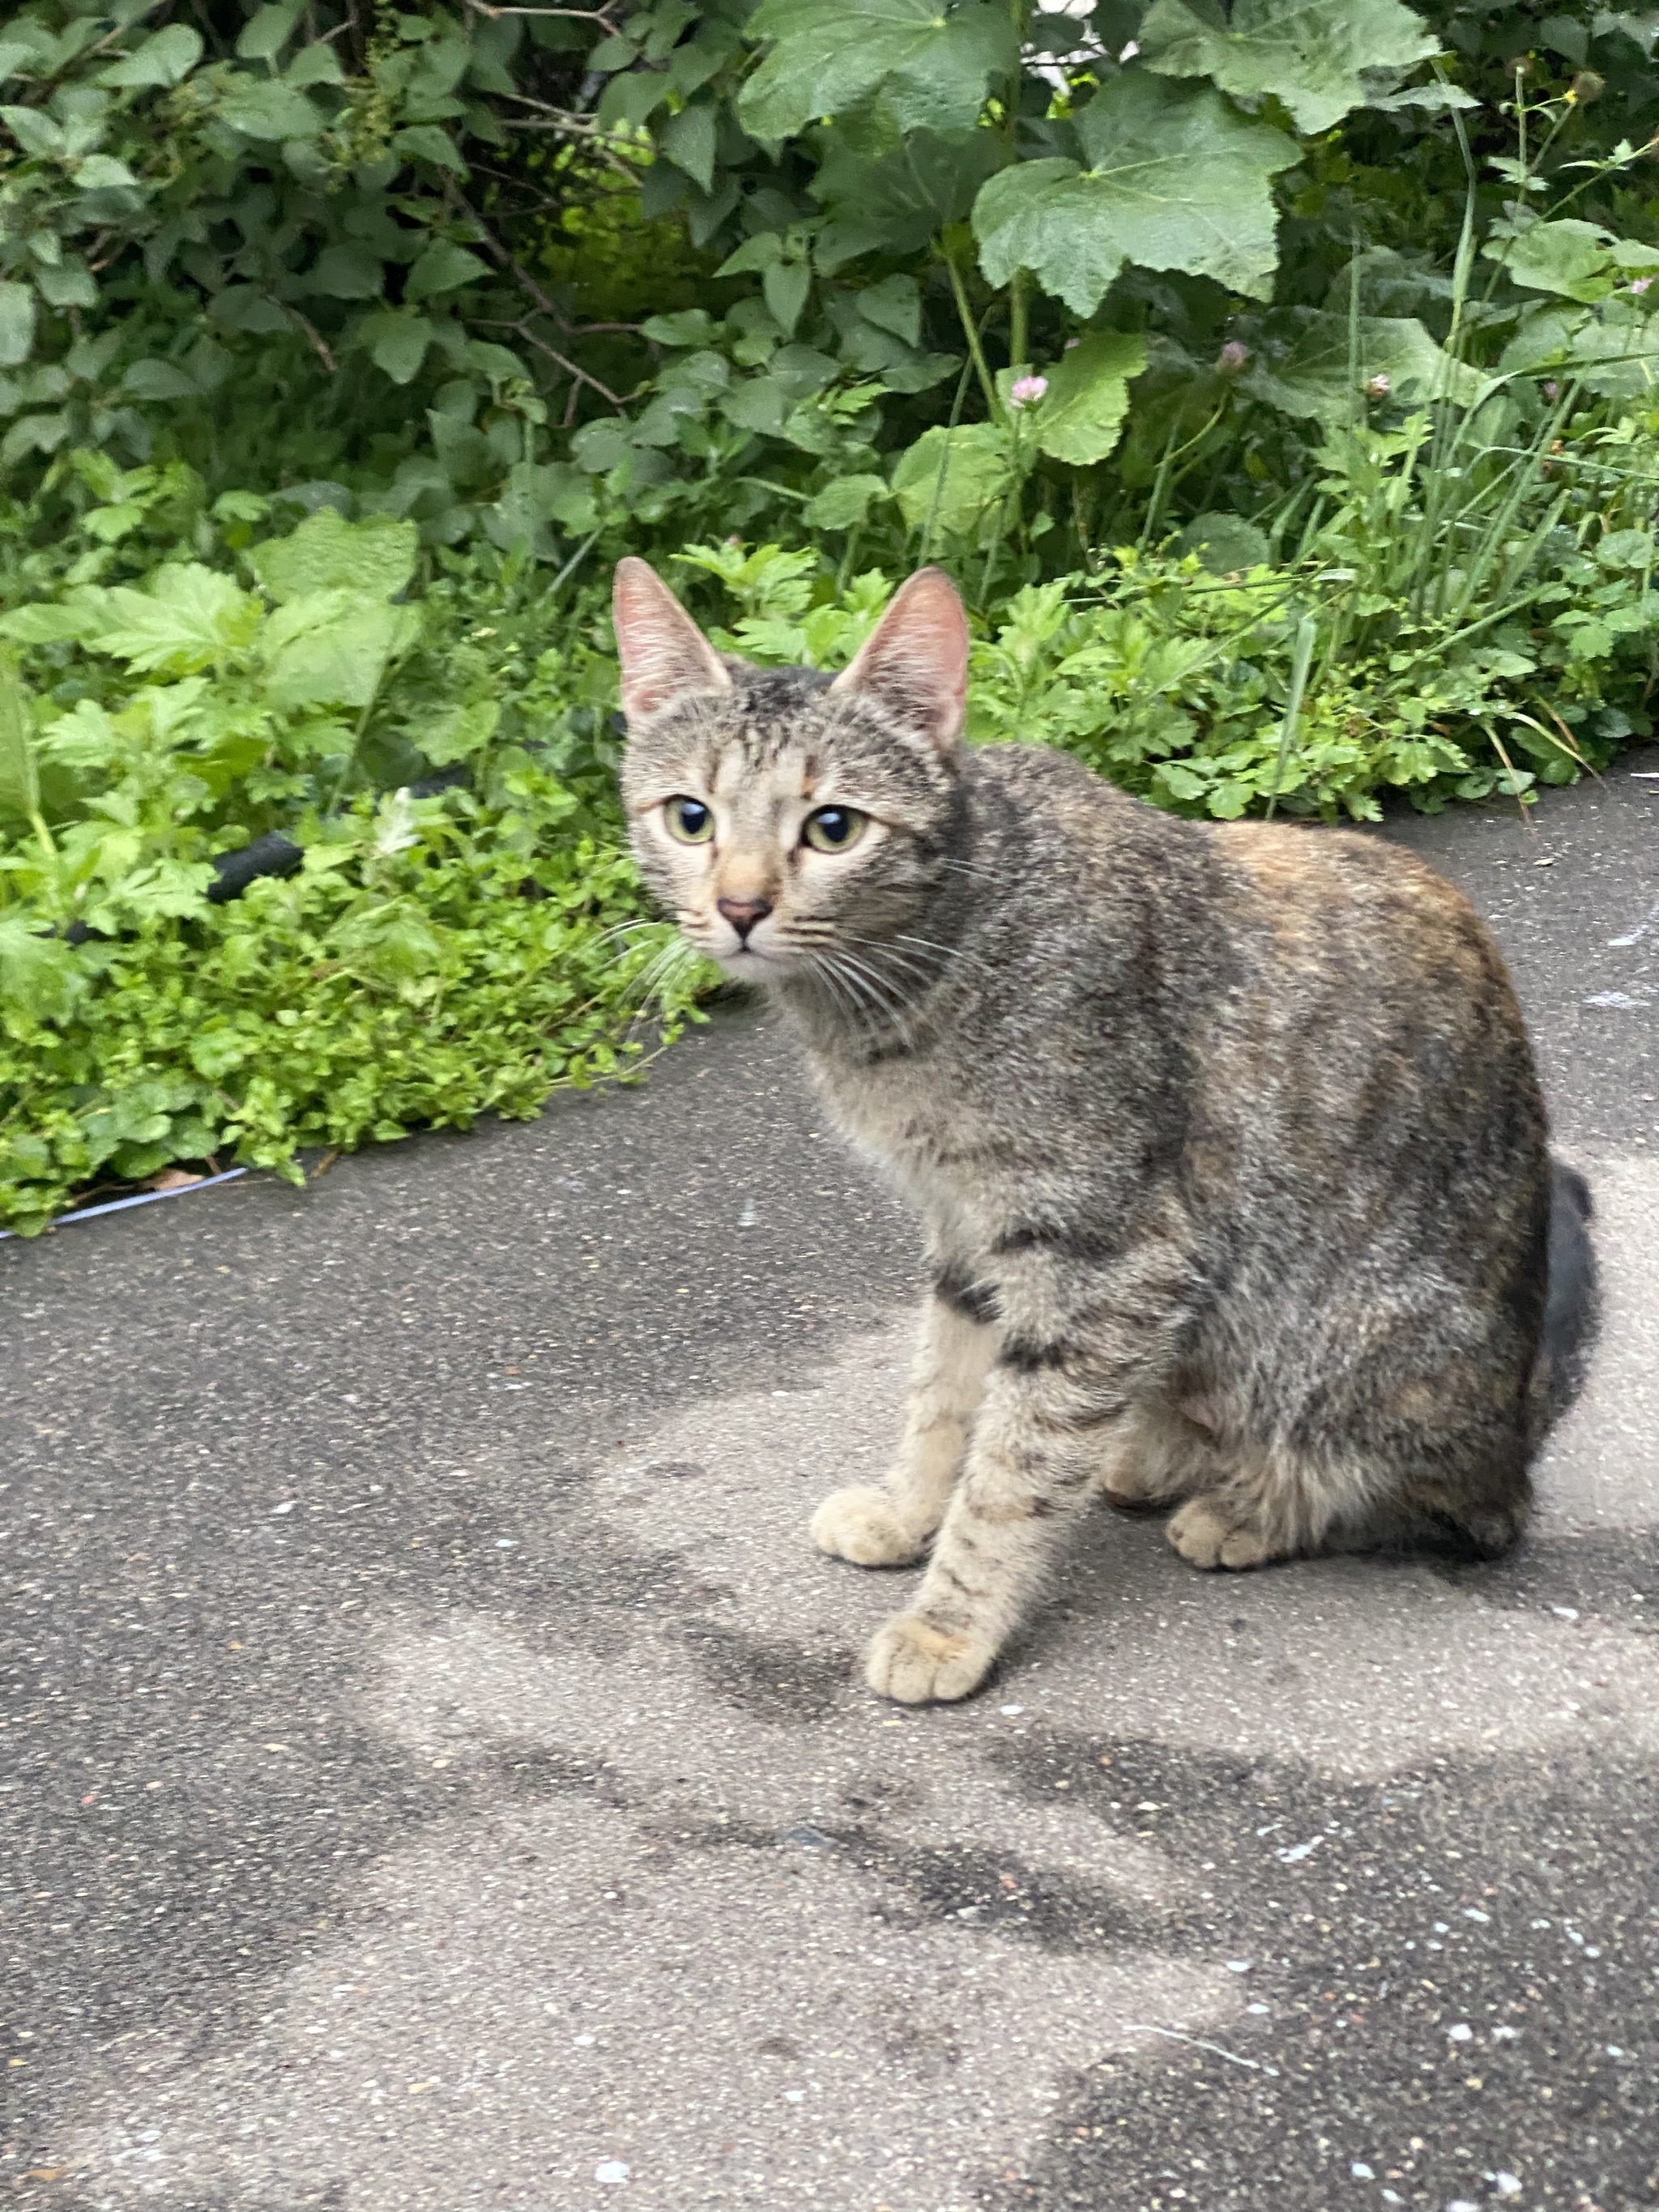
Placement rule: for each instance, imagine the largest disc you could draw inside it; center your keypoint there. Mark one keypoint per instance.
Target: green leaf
(40, 975)
(1302, 362)
(166, 59)
(934, 67)
(396, 342)
(756, 404)
(190, 618)
(894, 305)
(443, 267)
(1176, 179)
(455, 732)
(36, 133)
(316, 64)
(372, 559)
(16, 324)
(102, 173)
(901, 203)
(688, 139)
(844, 504)
(786, 285)
(425, 142)
(266, 108)
(19, 780)
(692, 326)
(952, 475)
(158, 380)
(266, 33)
(330, 648)
(1577, 260)
(1309, 53)
(1081, 418)
(71, 285)
(347, 272)
(1224, 543)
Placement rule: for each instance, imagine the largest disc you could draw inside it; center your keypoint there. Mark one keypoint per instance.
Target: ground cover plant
(1278, 386)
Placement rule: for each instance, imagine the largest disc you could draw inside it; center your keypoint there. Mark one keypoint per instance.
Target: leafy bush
(434, 956)
(1279, 388)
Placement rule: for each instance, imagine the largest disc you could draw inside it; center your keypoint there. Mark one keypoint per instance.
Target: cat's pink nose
(744, 913)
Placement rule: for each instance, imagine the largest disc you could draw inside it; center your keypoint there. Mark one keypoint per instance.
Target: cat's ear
(915, 663)
(664, 653)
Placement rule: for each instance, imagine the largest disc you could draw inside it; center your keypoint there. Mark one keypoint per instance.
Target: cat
(1225, 1137)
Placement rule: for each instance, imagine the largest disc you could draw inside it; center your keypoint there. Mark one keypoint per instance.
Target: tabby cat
(1226, 1138)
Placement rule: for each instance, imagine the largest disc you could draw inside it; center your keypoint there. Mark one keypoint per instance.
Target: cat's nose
(744, 913)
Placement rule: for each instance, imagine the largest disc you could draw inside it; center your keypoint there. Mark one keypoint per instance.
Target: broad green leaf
(786, 285)
(758, 402)
(72, 285)
(102, 173)
(932, 68)
(453, 733)
(1224, 543)
(266, 108)
(347, 272)
(425, 142)
(1080, 419)
(894, 305)
(371, 560)
(1309, 53)
(265, 33)
(1303, 361)
(1176, 179)
(86, 737)
(688, 139)
(952, 475)
(20, 781)
(190, 618)
(316, 64)
(692, 326)
(34, 434)
(398, 342)
(444, 267)
(166, 59)
(901, 203)
(39, 976)
(16, 324)
(35, 132)
(336, 649)
(1577, 260)
(158, 380)
(844, 504)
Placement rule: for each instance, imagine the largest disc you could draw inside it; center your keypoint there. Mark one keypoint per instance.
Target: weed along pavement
(437, 1774)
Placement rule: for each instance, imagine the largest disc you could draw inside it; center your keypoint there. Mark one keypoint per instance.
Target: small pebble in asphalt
(612, 2169)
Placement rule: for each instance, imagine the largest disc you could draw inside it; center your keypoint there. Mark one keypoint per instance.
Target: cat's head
(791, 824)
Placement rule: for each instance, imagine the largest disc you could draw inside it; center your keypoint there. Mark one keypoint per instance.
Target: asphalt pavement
(437, 1775)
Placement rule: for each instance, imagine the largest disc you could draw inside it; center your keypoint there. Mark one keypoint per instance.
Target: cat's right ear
(664, 653)
(915, 663)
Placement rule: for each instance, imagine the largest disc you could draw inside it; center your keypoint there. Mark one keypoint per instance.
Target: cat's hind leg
(1164, 1451)
(891, 1525)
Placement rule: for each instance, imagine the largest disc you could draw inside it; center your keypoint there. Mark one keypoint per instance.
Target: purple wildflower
(1233, 356)
(1378, 387)
(1028, 391)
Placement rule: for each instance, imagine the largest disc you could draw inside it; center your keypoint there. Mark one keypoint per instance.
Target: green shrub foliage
(1277, 381)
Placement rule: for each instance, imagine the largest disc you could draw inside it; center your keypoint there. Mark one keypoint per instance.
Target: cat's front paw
(862, 1526)
(918, 1665)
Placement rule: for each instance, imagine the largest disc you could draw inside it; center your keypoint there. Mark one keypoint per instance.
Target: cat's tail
(1572, 1308)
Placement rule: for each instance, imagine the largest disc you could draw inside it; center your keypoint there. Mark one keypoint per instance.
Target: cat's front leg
(1078, 1356)
(891, 1525)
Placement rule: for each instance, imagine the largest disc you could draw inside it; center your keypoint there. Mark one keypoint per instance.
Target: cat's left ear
(664, 653)
(915, 663)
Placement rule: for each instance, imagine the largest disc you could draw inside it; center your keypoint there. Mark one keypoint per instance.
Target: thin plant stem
(1307, 632)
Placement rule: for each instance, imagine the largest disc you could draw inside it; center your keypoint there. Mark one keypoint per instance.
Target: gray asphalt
(438, 1777)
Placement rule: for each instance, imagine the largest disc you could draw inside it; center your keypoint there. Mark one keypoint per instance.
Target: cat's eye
(689, 820)
(834, 828)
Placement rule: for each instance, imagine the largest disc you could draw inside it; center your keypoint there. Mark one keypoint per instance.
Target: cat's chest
(931, 1138)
